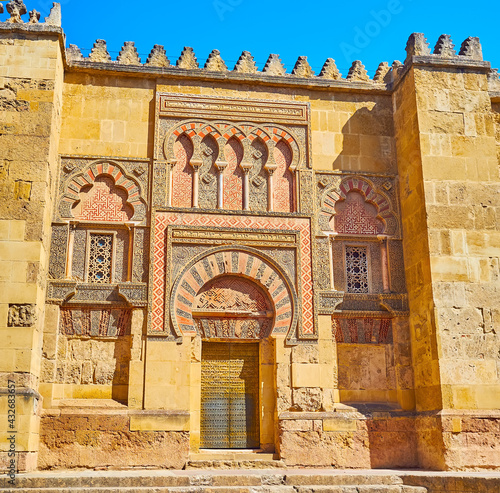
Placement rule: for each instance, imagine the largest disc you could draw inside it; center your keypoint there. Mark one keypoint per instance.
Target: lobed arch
(383, 204)
(244, 262)
(280, 134)
(223, 131)
(97, 169)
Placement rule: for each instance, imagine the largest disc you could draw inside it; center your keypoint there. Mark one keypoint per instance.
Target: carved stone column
(246, 167)
(131, 232)
(331, 239)
(171, 165)
(270, 168)
(71, 243)
(221, 166)
(196, 164)
(385, 263)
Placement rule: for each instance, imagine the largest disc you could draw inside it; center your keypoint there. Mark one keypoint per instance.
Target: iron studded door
(230, 395)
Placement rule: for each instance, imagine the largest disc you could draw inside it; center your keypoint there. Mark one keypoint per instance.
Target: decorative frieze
(233, 109)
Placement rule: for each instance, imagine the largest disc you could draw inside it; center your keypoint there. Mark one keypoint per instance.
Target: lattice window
(357, 269)
(100, 258)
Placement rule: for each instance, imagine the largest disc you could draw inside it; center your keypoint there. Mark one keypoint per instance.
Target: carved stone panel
(21, 316)
(105, 322)
(58, 251)
(362, 330)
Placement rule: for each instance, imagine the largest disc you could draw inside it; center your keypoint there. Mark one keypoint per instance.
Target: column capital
(246, 167)
(221, 165)
(271, 168)
(196, 164)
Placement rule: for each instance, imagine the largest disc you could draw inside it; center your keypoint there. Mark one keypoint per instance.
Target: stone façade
(362, 215)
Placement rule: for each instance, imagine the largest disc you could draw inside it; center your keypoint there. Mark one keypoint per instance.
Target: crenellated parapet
(418, 50)
(386, 74)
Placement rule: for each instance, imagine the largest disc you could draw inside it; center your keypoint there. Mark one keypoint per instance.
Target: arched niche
(182, 172)
(283, 188)
(357, 207)
(102, 192)
(209, 152)
(355, 215)
(233, 175)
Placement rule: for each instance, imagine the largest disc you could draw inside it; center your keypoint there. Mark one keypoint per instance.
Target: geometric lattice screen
(100, 261)
(356, 269)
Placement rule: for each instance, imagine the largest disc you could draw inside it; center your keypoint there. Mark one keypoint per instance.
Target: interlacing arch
(278, 142)
(224, 131)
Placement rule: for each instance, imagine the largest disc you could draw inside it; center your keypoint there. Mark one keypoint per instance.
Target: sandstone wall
(107, 116)
(461, 182)
(30, 107)
(100, 438)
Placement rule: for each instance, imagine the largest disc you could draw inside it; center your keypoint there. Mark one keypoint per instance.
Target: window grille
(357, 269)
(100, 258)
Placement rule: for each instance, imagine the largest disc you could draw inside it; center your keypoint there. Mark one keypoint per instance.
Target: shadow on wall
(366, 128)
(122, 356)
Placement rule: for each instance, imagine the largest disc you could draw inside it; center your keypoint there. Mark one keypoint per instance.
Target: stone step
(236, 464)
(233, 455)
(234, 489)
(257, 481)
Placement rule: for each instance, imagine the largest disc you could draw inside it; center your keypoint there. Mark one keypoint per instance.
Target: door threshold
(231, 454)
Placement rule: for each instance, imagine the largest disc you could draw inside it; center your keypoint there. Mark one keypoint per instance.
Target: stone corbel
(221, 166)
(385, 262)
(246, 167)
(196, 164)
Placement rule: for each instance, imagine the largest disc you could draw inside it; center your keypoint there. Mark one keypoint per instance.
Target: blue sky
(371, 31)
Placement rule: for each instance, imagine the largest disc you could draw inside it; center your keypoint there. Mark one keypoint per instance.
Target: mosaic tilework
(218, 221)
